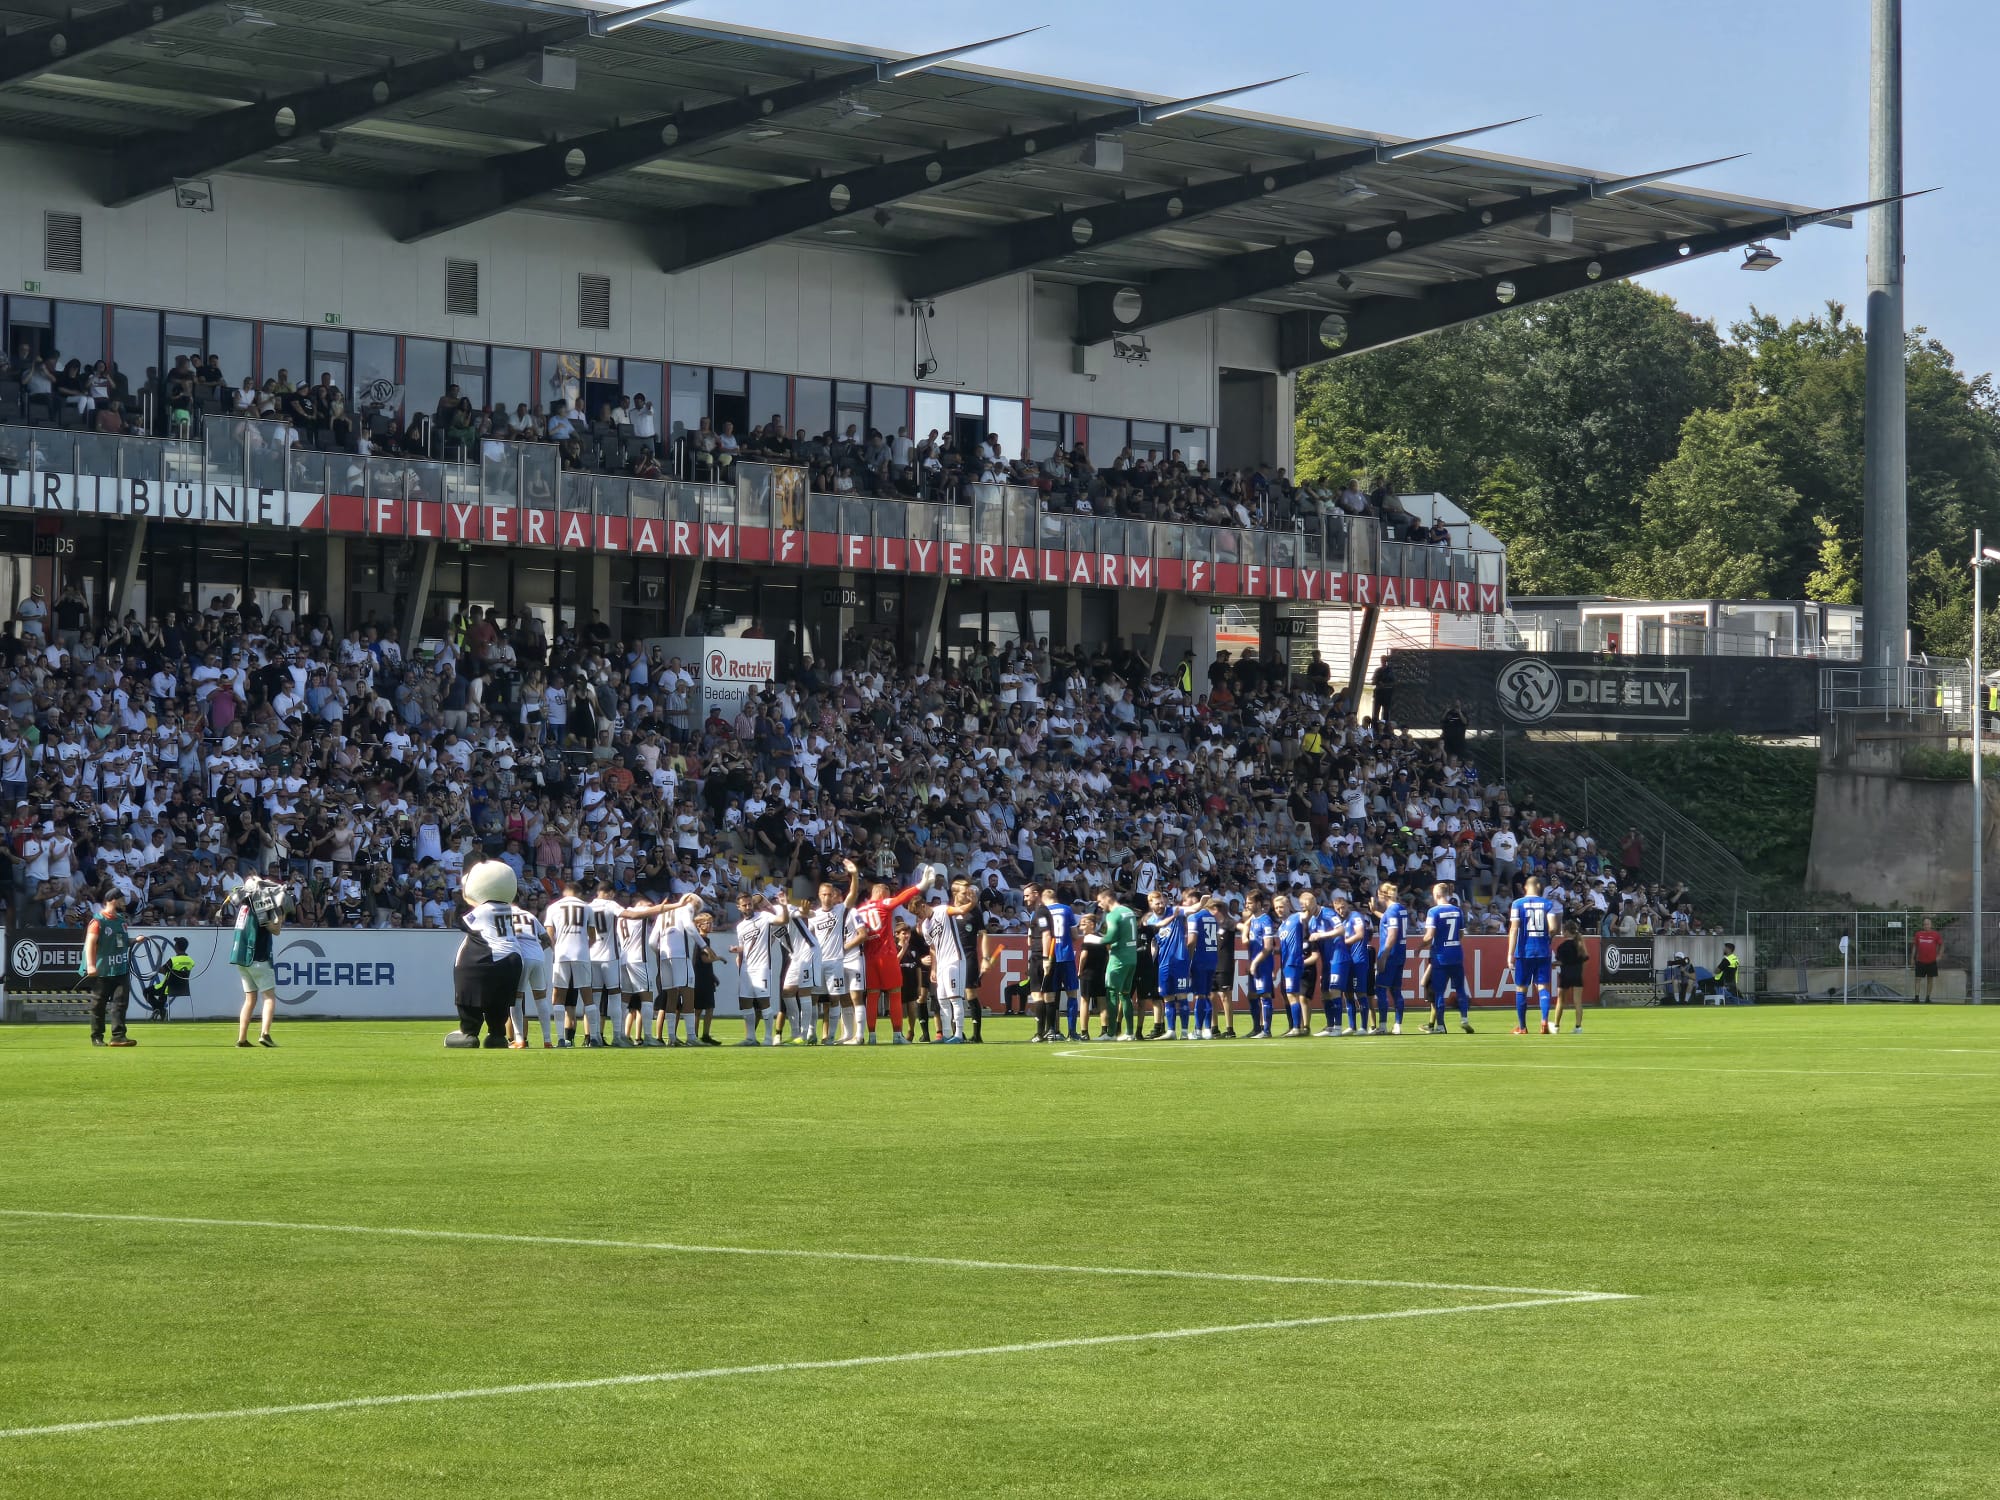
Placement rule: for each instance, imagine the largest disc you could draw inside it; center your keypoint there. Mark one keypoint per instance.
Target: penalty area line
(667, 1247)
(790, 1367)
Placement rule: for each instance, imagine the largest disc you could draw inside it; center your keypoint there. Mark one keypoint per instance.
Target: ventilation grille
(62, 242)
(461, 288)
(593, 300)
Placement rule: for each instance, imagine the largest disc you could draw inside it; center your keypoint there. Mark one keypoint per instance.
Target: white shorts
(635, 979)
(607, 973)
(950, 980)
(802, 973)
(575, 974)
(535, 975)
(257, 978)
(834, 983)
(755, 987)
(676, 973)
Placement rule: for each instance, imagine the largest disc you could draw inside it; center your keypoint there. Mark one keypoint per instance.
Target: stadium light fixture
(887, 71)
(1760, 257)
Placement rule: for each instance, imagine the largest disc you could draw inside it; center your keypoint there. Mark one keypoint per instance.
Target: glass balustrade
(253, 454)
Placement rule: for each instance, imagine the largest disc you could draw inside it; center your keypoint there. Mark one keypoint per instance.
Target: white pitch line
(1287, 1059)
(855, 1362)
(872, 1257)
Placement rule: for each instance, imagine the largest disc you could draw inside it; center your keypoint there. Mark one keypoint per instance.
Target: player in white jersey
(757, 961)
(573, 975)
(802, 975)
(674, 940)
(604, 915)
(533, 940)
(638, 972)
(941, 929)
(829, 922)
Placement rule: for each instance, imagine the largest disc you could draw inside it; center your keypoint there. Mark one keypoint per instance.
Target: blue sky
(1618, 86)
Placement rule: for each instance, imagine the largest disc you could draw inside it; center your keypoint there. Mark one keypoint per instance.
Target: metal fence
(1939, 691)
(1797, 953)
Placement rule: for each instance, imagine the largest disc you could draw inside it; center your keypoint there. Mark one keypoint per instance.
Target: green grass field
(1798, 1205)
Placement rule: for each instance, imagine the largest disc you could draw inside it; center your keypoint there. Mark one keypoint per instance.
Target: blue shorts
(1445, 976)
(1061, 977)
(1295, 980)
(1201, 979)
(1173, 980)
(1260, 983)
(1336, 975)
(1531, 974)
(1389, 971)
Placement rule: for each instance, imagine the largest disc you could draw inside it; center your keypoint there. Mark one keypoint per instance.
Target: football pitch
(1697, 1253)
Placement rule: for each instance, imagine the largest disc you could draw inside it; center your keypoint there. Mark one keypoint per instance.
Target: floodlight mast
(1885, 564)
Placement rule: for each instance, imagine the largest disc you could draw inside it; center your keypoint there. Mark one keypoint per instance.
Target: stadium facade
(529, 204)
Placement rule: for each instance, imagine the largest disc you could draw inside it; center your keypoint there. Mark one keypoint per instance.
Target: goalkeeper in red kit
(875, 936)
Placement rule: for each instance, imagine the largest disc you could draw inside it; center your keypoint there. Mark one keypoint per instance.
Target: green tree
(1711, 517)
(1837, 579)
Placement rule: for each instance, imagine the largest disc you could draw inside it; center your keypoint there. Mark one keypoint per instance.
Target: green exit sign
(31, 286)
(334, 319)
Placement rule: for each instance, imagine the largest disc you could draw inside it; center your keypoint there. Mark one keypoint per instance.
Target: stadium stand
(171, 757)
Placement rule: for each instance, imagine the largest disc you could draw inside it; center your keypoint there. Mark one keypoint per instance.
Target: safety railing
(1936, 692)
(264, 455)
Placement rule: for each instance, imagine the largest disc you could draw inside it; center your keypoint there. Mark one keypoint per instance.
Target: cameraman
(260, 917)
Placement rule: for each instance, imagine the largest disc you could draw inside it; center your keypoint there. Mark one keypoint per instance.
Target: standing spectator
(33, 614)
(107, 962)
(1632, 853)
(1925, 949)
(1506, 849)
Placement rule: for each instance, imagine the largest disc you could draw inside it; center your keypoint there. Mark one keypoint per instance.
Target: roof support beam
(1171, 295)
(720, 230)
(451, 200)
(955, 264)
(252, 129)
(37, 49)
(717, 231)
(1306, 338)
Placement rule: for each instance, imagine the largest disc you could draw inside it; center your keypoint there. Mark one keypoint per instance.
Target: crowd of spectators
(173, 755)
(625, 436)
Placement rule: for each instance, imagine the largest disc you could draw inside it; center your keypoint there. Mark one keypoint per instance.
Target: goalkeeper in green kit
(1121, 938)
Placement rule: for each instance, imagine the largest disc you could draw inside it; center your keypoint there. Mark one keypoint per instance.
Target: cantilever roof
(177, 77)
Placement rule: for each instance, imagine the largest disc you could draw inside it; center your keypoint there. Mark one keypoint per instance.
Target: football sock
(645, 1019)
(1069, 1011)
(750, 1019)
(895, 1011)
(617, 1008)
(1521, 1009)
(542, 1011)
(1543, 996)
(593, 1022)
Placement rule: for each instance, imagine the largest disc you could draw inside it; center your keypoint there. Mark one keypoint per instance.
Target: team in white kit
(636, 972)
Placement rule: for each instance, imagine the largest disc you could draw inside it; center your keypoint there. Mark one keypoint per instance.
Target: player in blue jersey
(1391, 947)
(1059, 968)
(1359, 992)
(1294, 953)
(1444, 962)
(1260, 950)
(1204, 924)
(1331, 970)
(1170, 958)
(1532, 924)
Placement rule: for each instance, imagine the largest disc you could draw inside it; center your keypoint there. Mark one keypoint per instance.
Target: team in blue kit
(1392, 937)
(1349, 956)
(1204, 954)
(1444, 945)
(1532, 924)
(1260, 943)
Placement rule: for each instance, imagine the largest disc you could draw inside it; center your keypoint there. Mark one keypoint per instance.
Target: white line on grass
(1287, 1058)
(879, 1258)
(668, 1377)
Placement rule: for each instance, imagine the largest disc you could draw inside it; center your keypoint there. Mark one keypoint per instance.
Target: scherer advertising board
(727, 668)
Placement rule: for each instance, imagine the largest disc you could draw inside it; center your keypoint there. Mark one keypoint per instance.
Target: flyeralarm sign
(537, 526)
